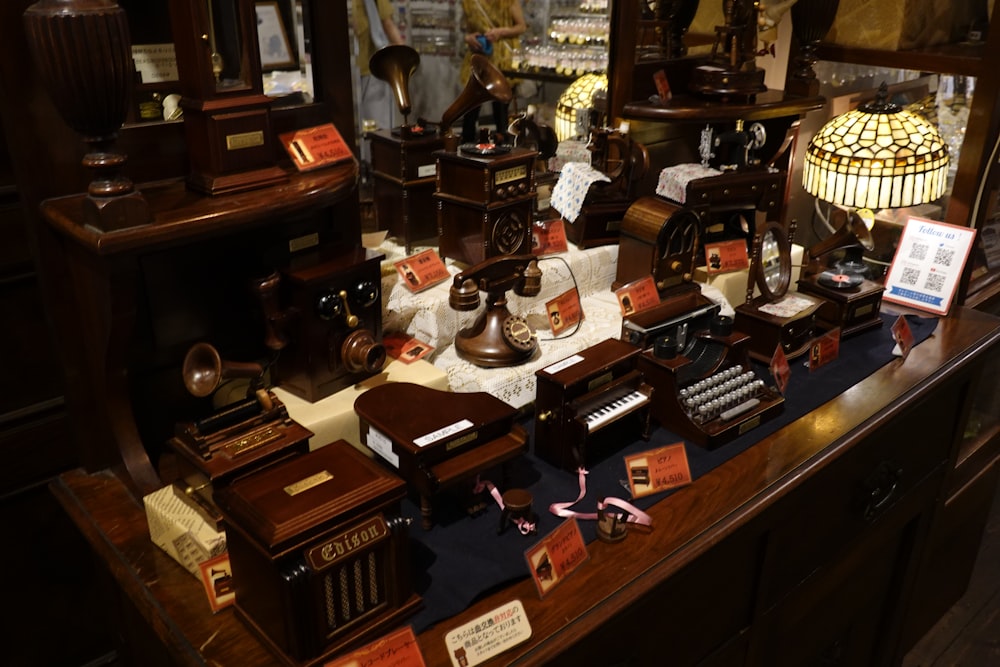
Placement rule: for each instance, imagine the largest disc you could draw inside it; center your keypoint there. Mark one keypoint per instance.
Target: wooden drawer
(855, 492)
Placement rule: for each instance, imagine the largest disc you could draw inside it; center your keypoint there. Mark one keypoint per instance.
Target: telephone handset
(497, 338)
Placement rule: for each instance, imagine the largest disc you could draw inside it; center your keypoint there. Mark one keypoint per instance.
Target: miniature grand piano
(583, 403)
(435, 438)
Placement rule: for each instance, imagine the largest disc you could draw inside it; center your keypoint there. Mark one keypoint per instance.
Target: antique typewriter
(707, 391)
(590, 404)
(437, 439)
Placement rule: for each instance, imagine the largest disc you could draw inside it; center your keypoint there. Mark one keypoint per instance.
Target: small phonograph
(497, 338)
(850, 300)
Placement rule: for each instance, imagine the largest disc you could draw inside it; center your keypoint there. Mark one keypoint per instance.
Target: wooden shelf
(182, 216)
(965, 59)
(683, 107)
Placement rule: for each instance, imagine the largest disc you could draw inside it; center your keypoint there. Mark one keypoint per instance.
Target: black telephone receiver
(497, 338)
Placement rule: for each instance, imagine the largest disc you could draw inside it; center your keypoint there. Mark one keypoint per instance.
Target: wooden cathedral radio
(485, 191)
(850, 300)
(707, 391)
(659, 238)
(319, 552)
(436, 439)
(325, 319)
(590, 404)
(402, 158)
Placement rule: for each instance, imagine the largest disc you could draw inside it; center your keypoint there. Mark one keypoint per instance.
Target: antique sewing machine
(485, 192)
(324, 317)
(437, 439)
(403, 166)
(497, 338)
(319, 552)
(624, 161)
(706, 391)
(590, 404)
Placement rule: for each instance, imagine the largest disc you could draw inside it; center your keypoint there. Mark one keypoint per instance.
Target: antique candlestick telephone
(497, 338)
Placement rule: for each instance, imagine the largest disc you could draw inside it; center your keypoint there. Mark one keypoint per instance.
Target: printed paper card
(726, 256)
(637, 295)
(395, 649)
(217, 578)
(658, 470)
(781, 371)
(422, 270)
(556, 556)
(824, 349)
(903, 335)
(315, 147)
(564, 311)
(548, 237)
(928, 265)
(404, 347)
(488, 635)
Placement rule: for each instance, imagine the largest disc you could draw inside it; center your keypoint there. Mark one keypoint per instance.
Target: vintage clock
(226, 114)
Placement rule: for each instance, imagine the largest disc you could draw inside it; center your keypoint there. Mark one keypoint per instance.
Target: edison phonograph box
(319, 552)
(485, 204)
(404, 174)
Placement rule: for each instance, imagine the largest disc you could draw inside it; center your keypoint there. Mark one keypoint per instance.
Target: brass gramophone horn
(485, 84)
(394, 64)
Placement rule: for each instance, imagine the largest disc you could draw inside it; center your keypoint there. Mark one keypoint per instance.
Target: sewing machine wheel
(758, 136)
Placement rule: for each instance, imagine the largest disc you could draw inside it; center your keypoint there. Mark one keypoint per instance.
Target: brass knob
(545, 416)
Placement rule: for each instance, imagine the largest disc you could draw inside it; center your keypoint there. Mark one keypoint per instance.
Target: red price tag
(824, 349)
(399, 647)
(726, 256)
(564, 311)
(903, 335)
(637, 295)
(422, 270)
(405, 348)
(658, 470)
(548, 237)
(556, 556)
(315, 147)
(780, 370)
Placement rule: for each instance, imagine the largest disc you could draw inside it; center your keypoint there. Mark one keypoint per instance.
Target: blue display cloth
(462, 558)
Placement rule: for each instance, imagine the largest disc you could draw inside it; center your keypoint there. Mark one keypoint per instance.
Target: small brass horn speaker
(486, 83)
(394, 64)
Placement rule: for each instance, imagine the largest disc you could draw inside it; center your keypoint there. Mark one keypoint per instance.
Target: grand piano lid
(413, 415)
(287, 503)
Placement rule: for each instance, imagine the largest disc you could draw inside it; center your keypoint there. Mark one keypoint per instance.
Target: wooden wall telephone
(497, 338)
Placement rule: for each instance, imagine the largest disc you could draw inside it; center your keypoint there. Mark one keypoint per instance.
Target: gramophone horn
(485, 84)
(394, 64)
(204, 370)
(852, 233)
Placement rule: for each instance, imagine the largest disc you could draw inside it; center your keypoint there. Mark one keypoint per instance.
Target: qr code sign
(909, 276)
(934, 282)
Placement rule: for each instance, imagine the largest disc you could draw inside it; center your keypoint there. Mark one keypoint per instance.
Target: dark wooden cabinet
(807, 548)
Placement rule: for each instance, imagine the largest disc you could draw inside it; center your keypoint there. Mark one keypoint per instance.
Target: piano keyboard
(615, 409)
(724, 395)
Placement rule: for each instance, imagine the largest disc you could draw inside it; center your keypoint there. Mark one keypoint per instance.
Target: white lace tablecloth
(428, 317)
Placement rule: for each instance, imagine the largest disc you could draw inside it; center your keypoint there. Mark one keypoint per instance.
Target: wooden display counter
(819, 542)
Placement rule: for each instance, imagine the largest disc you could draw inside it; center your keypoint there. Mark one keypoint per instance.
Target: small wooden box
(599, 222)
(319, 552)
(405, 176)
(486, 179)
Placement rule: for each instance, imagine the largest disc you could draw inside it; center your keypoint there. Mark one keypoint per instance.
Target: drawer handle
(879, 489)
